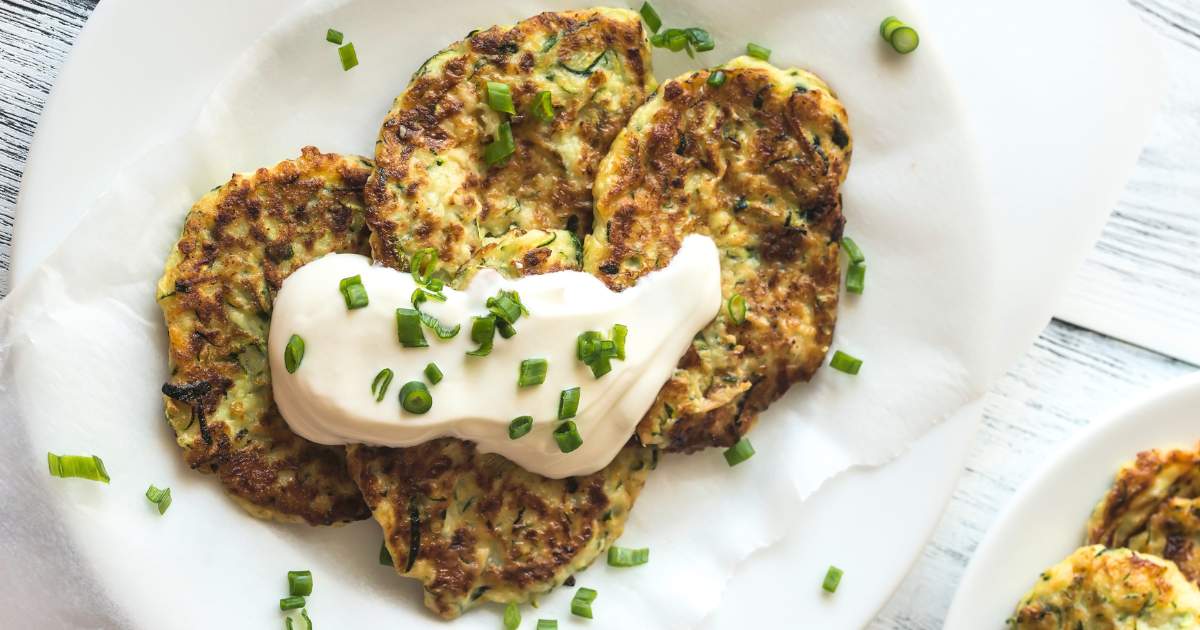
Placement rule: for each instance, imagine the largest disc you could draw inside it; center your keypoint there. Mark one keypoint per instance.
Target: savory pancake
(1141, 488)
(1173, 534)
(432, 186)
(474, 527)
(1103, 589)
(238, 243)
(755, 163)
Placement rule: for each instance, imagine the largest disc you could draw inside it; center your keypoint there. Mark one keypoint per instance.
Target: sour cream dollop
(328, 399)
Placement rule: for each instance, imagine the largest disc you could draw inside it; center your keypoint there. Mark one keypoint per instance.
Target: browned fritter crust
(238, 243)
(756, 164)
(1174, 533)
(432, 187)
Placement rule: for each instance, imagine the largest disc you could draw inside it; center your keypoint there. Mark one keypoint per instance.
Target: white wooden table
(1146, 268)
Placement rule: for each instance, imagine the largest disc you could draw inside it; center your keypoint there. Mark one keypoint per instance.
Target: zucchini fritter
(1105, 589)
(237, 245)
(756, 164)
(474, 527)
(432, 186)
(1173, 534)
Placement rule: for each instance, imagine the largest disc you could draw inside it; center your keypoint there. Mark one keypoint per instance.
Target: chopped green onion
(568, 403)
(441, 330)
(422, 264)
(619, 332)
(408, 328)
(758, 52)
(381, 383)
(532, 372)
(520, 426)
(739, 452)
(159, 497)
(293, 354)
(833, 577)
(843, 362)
(700, 39)
(348, 56)
(300, 583)
(483, 332)
(507, 306)
(308, 625)
(685, 39)
(543, 106)
(385, 556)
(625, 557)
(737, 308)
(80, 466)
(420, 295)
(567, 436)
(905, 40)
(547, 624)
(415, 397)
(502, 147)
(586, 345)
(888, 25)
(512, 616)
(653, 22)
(716, 78)
(856, 277)
(499, 97)
(433, 373)
(333, 36)
(353, 292)
(853, 251)
(581, 604)
(291, 603)
(505, 329)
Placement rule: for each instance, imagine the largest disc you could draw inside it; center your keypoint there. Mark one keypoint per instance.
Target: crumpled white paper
(83, 353)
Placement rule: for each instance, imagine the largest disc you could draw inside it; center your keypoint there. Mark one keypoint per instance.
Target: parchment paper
(83, 354)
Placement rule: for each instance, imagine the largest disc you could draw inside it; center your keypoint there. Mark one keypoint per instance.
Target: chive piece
(408, 328)
(619, 332)
(300, 583)
(653, 22)
(833, 577)
(888, 25)
(308, 622)
(415, 397)
(501, 147)
(853, 251)
(567, 436)
(379, 386)
(441, 330)
(293, 353)
(483, 331)
(581, 604)
(499, 97)
(543, 106)
(532, 372)
(433, 373)
(737, 308)
(855, 278)
(700, 39)
(420, 295)
(353, 292)
(348, 56)
(422, 264)
(80, 466)
(385, 556)
(568, 403)
(716, 78)
(505, 329)
(291, 603)
(904, 39)
(758, 52)
(512, 616)
(586, 345)
(739, 452)
(520, 426)
(625, 557)
(843, 362)
(333, 36)
(506, 306)
(547, 624)
(159, 497)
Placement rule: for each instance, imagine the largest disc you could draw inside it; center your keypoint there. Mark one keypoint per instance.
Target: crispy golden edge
(237, 245)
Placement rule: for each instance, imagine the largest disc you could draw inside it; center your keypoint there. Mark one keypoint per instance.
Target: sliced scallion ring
(333, 36)
(547, 624)
(619, 332)
(758, 52)
(625, 557)
(568, 403)
(415, 397)
(408, 328)
(519, 427)
(543, 106)
(347, 55)
(499, 97)
(567, 436)
(856, 276)
(888, 25)
(512, 616)
(353, 292)
(737, 308)
(653, 22)
(79, 466)
(843, 362)
(422, 264)
(532, 372)
(300, 582)
(483, 332)
(381, 382)
(739, 452)
(833, 577)
(160, 497)
(853, 251)
(293, 354)
(501, 147)
(441, 330)
(905, 39)
(433, 373)
(581, 604)
(291, 603)
(716, 78)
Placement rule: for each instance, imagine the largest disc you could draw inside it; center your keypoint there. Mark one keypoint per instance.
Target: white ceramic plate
(1045, 521)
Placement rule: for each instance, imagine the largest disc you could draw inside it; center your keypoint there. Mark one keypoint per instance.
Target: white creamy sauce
(329, 400)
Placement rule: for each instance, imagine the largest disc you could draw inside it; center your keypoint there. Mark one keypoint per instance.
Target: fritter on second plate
(432, 186)
(1173, 534)
(238, 244)
(1141, 488)
(1106, 589)
(474, 527)
(756, 164)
